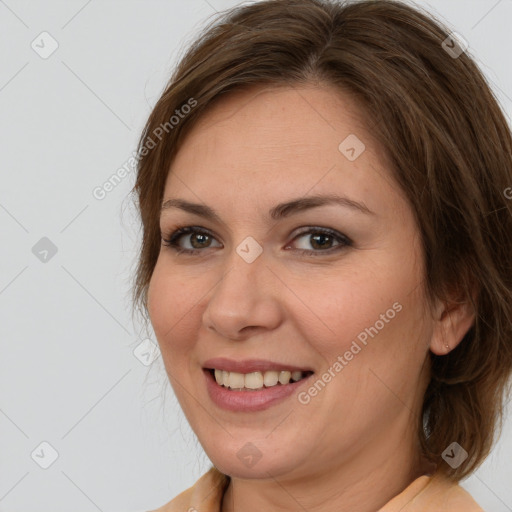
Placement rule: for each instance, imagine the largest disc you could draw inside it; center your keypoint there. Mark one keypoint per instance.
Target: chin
(261, 458)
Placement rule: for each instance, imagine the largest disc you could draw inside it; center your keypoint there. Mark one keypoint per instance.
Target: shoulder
(450, 496)
(433, 494)
(205, 495)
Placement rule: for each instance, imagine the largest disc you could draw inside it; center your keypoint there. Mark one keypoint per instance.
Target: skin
(354, 446)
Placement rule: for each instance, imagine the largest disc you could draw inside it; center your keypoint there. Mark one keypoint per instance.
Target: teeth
(256, 380)
(253, 380)
(270, 379)
(284, 377)
(236, 380)
(296, 376)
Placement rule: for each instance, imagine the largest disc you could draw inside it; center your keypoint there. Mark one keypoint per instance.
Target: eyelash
(173, 238)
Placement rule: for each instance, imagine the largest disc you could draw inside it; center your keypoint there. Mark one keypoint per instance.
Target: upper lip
(250, 365)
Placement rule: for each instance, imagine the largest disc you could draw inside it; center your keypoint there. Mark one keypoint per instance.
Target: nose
(245, 300)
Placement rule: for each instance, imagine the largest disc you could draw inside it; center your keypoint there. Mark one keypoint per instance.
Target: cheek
(380, 300)
(340, 304)
(172, 313)
(372, 321)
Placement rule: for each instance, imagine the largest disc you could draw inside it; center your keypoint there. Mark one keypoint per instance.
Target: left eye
(321, 240)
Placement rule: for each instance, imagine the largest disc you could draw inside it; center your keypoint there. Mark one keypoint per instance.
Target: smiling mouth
(255, 381)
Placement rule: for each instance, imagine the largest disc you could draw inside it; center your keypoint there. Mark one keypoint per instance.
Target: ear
(451, 323)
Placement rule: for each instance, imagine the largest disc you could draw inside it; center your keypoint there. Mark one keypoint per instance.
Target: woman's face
(282, 279)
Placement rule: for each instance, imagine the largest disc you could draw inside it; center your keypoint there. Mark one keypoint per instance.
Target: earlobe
(452, 322)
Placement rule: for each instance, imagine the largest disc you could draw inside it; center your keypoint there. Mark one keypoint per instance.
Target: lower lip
(249, 401)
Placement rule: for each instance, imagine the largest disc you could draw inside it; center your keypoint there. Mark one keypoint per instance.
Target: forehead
(267, 139)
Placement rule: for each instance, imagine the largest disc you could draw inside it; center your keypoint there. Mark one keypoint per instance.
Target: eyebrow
(280, 211)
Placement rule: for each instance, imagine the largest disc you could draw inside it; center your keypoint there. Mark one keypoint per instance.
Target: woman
(325, 258)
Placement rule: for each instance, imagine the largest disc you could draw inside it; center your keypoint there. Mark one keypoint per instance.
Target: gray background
(68, 372)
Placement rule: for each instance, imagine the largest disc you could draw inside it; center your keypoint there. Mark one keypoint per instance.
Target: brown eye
(200, 240)
(189, 240)
(321, 240)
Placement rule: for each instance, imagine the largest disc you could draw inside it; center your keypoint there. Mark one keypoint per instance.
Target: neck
(364, 484)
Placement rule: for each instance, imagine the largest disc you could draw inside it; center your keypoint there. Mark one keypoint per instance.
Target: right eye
(198, 239)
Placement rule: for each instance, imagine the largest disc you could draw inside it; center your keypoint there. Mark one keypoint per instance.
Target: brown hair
(451, 152)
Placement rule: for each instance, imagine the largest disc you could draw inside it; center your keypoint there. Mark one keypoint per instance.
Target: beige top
(425, 494)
